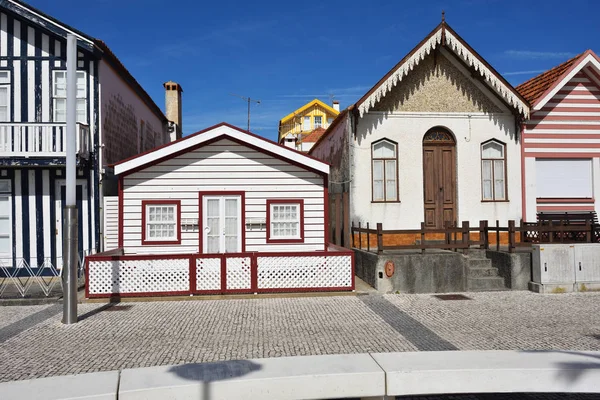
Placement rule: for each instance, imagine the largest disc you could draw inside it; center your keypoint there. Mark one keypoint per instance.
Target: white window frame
(5, 83)
(298, 204)
(175, 238)
(320, 123)
(306, 123)
(384, 161)
(7, 193)
(81, 99)
(494, 161)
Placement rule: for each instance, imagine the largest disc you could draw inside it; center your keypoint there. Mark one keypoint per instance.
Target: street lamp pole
(248, 99)
(70, 256)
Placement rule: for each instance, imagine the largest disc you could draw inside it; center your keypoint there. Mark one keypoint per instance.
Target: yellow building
(300, 128)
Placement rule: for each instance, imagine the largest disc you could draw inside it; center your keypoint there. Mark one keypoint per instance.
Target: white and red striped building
(220, 211)
(561, 140)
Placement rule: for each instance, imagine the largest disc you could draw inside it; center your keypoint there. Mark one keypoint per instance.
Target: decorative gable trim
(444, 36)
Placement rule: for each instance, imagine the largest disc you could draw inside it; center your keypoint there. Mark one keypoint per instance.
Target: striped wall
(567, 127)
(31, 53)
(37, 218)
(224, 166)
(111, 222)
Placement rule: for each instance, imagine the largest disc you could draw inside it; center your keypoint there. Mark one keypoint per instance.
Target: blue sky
(287, 53)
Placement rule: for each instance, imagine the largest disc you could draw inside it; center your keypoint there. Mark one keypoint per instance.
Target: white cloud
(537, 71)
(538, 55)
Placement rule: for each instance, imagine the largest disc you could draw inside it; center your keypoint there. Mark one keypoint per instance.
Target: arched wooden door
(439, 177)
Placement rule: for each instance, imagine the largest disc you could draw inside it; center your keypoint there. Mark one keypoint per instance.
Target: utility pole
(248, 99)
(70, 256)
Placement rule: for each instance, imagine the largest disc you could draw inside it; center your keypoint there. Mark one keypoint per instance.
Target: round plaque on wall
(389, 268)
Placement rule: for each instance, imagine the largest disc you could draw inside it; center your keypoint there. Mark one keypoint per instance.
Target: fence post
(379, 238)
(465, 237)
(588, 232)
(497, 235)
(359, 237)
(482, 239)
(368, 238)
(422, 237)
(551, 231)
(511, 235)
(352, 232)
(446, 233)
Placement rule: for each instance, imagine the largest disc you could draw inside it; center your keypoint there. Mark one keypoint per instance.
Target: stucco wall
(122, 113)
(407, 129)
(437, 85)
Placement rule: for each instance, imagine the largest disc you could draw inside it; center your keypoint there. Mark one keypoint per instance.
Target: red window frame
(177, 204)
(300, 203)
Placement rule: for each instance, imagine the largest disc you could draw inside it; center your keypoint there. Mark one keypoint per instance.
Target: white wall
(408, 129)
(224, 166)
(122, 113)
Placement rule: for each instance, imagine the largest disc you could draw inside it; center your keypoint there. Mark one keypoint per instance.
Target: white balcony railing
(40, 139)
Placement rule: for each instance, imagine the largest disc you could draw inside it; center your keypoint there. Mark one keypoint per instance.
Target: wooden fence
(463, 237)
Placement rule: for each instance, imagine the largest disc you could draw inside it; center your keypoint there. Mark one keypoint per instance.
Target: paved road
(33, 342)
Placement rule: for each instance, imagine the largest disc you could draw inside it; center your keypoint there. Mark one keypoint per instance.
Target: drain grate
(452, 297)
(119, 308)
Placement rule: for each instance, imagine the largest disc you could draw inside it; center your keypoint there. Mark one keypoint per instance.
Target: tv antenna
(249, 100)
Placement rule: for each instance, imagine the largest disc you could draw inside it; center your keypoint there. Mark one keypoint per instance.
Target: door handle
(545, 267)
(441, 189)
(580, 265)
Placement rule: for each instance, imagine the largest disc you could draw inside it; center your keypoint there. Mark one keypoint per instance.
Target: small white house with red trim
(221, 211)
(561, 140)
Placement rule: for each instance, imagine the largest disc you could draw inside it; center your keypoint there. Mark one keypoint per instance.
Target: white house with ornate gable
(435, 140)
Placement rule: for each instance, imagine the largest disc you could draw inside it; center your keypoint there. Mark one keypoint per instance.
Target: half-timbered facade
(436, 140)
(561, 140)
(221, 211)
(115, 119)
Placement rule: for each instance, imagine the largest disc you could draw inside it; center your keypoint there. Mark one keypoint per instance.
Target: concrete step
(485, 284)
(479, 263)
(476, 253)
(482, 272)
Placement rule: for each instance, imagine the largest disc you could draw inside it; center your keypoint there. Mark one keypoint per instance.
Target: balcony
(40, 140)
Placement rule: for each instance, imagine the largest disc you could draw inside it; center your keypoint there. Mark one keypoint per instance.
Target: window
(285, 221)
(329, 121)
(4, 96)
(161, 222)
(385, 171)
(59, 94)
(493, 171)
(306, 125)
(564, 178)
(5, 219)
(318, 121)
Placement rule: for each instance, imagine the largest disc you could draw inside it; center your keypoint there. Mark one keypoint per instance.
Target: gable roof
(209, 135)
(444, 36)
(313, 136)
(305, 107)
(540, 89)
(90, 43)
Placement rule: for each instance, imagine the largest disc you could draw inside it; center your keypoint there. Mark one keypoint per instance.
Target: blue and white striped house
(116, 120)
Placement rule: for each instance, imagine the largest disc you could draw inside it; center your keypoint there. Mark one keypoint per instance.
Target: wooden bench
(576, 218)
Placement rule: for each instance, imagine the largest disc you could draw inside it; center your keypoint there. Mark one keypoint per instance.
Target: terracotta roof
(534, 88)
(313, 136)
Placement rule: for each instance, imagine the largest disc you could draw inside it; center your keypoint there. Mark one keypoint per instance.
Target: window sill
(285, 241)
(495, 201)
(382, 201)
(159, 242)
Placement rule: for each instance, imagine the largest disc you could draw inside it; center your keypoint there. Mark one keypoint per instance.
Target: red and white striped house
(561, 140)
(220, 211)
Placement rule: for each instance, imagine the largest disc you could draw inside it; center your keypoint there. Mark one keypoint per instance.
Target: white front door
(221, 224)
(5, 223)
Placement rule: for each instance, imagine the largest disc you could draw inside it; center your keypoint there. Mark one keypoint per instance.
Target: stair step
(479, 263)
(477, 253)
(486, 283)
(482, 272)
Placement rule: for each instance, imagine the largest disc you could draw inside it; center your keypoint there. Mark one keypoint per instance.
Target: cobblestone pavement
(163, 333)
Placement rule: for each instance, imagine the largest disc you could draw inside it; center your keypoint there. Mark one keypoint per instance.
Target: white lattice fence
(281, 272)
(239, 274)
(138, 276)
(208, 274)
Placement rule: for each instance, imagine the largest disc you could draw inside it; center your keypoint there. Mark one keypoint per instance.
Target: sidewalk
(33, 342)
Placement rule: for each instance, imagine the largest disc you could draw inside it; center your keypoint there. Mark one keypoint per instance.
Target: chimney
(173, 108)
(336, 105)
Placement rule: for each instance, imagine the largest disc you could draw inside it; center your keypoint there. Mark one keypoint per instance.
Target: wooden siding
(111, 222)
(224, 166)
(568, 126)
(296, 124)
